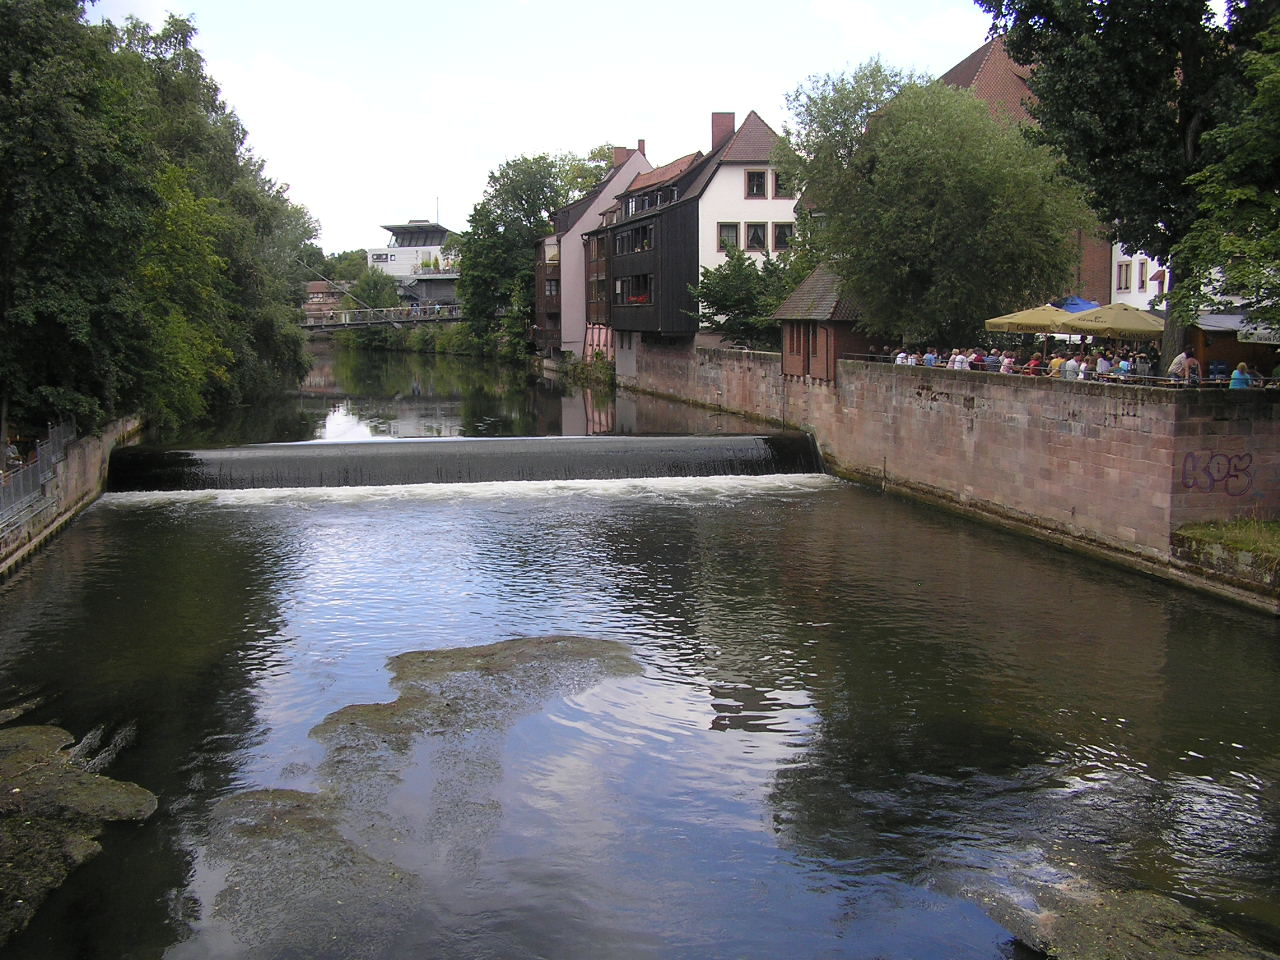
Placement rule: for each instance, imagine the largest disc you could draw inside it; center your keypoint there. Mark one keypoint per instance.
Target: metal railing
(24, 484)
(383, 316)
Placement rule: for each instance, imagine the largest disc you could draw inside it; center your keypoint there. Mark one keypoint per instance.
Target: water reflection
(859, 723)
(354, 394)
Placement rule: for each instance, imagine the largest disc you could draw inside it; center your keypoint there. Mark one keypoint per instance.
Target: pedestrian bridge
(382, 317)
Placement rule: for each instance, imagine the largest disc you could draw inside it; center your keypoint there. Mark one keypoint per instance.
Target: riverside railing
(23, 485)
(384, 316)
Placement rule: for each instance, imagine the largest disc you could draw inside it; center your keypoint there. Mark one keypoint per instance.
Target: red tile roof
(993, 76)
(662, 174)
(752, 143)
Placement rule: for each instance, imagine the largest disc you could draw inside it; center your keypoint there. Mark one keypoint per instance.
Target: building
(415, 257)
(818, 327)
(566, 268)
(323, 298)
(674, 220)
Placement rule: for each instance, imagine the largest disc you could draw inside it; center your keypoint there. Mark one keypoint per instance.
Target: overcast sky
(379, 114)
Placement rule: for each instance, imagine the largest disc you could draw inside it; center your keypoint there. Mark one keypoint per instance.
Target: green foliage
(373, 289)
(345, 267)
(422, 338)
(1233, 248)
(1125, 92)
(579, 175)
(832, 113)
(386, 338)
(935, 214)
(496, 255)
(738, 298)
(597, 372)
(146, 265)
(76, 198)
(459, 339)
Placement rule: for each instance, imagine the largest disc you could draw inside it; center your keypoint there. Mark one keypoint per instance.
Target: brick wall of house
(1117, 466)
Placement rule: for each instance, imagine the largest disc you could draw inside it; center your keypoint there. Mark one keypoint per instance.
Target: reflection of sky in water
(839, 743)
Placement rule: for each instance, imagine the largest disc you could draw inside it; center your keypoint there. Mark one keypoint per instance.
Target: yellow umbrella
(1043, 319)
(1115, 320)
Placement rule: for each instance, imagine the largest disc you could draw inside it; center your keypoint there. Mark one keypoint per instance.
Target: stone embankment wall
(77, 481)
(1112, 469)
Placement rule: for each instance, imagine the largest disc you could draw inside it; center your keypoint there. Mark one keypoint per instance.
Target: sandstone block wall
(77, 481)
(1119, 467)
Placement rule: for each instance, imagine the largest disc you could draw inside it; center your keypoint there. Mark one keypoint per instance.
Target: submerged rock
(1075, 920)
(357, 869)
(51, 811)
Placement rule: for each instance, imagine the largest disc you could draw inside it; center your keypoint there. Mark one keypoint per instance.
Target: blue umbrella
(1074, 304)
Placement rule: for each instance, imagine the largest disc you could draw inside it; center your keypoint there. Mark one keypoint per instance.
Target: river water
(853, 727)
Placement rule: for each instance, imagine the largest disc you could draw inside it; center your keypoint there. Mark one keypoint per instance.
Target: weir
(471, 460)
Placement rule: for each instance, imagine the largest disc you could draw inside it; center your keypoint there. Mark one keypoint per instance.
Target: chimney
(620, 155)
(721, 130)
(640, 147)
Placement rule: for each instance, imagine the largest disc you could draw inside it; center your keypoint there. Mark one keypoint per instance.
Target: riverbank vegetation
(147, 264)
(1261, 538)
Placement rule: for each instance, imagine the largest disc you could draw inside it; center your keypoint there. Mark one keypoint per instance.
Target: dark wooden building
(818, 327)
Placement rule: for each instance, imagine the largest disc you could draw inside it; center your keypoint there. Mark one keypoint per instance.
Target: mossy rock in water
(51, 811)
(1078, 922)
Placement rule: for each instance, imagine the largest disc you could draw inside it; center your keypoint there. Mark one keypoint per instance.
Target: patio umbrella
(1042, 319)
(1115, 320)
(1074, 304)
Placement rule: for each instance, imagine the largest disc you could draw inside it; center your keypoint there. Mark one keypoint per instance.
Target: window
(728, 235)
(633, 240)
(633, 290)
(781, 188)
(553, 288)
(757, 236)
(1123, 272)
(1142, 276)
(379, 258)
(782, 234)
(756, 183)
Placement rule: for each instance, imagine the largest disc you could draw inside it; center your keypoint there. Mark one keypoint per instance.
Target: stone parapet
(1112, 468)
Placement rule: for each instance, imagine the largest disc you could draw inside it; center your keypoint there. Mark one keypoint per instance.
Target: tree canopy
(738, 298)
(1232, 250)
(935, 214)
(1126, 91)
(146, 264)
(495, 255)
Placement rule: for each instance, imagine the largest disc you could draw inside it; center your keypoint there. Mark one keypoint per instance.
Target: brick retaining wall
(1108, 466)
(77, 482)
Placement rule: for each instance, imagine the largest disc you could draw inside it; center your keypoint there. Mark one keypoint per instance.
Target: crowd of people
(1125, 364)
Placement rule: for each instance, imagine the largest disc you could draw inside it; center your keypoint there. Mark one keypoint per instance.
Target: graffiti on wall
(1208, 472)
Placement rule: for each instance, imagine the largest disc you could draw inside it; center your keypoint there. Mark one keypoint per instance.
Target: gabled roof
(660, 175)
(753, 142)
(818, 299)
(994, 78)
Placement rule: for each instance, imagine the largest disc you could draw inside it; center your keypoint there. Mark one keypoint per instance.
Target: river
(806, 720)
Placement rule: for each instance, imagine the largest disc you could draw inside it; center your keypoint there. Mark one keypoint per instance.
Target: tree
(1232, 249)
(373, 289)
(738, 298)
(580, 175)
(146, 265)
(936, 215)
(345, 267)
(496, 253)
(832, 113)
(1125, 91)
